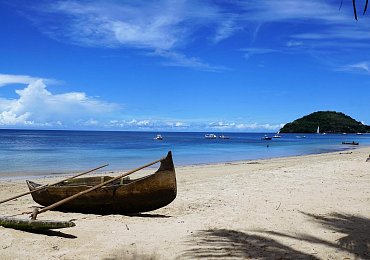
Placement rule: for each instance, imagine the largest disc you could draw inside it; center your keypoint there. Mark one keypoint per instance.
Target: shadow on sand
(147, 215)
(50, 233)
(356, 230)
(224, 243)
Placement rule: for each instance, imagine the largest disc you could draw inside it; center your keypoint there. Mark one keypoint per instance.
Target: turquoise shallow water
(31, 152)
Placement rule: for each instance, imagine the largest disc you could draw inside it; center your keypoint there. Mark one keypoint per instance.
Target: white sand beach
(306, 207)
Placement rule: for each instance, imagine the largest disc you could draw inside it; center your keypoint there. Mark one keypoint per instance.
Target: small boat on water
(266, 138)
(224, 137)
(210, 136)
(121, 196)
(351, 143)
(277, 135)
(158, 137)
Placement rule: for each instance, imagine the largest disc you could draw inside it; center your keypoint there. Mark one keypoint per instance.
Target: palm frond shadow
(356, 230)
(225, 243)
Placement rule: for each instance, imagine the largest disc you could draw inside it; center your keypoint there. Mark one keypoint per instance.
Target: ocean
(26, 153)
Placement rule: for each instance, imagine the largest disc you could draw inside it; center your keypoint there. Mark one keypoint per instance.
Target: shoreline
(16, 176)
(313, 206)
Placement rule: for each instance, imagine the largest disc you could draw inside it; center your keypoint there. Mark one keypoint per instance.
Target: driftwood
(29, 224)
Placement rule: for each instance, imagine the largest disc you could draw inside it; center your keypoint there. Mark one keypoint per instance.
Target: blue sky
(180, 65)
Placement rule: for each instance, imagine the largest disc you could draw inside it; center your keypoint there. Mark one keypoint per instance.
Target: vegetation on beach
(328, 121)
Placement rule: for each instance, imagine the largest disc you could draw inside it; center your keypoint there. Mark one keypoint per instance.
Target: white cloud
(166, 125)
(180, 60)
(294, 43)
(140, 25)
(6, 79)
(147, 124)
(166, 28)
(225, 30)
(224, 126)
(249, 52)
(36, 106)
(363, 67)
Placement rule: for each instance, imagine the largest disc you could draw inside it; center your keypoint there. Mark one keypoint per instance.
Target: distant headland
(325, 122)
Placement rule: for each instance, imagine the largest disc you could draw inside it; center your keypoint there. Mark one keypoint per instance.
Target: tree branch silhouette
(355, 9)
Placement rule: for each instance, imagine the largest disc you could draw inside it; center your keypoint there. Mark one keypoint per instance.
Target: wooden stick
(47, 185)
(56, 204)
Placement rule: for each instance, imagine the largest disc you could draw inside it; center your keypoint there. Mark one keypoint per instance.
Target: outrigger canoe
(123, 196)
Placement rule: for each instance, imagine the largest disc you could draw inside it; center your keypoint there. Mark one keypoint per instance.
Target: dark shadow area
(356, 230)
(50, 233)
(224, 243)
(147, 215)
(140, 215)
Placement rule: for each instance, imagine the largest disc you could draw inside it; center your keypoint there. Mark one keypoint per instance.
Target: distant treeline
(328, 121)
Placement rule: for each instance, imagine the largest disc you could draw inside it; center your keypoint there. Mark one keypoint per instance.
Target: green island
(327, 121)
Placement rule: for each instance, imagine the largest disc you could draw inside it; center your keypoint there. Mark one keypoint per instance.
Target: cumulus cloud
(6, 79)
(37, 106)
(168, 125)
(224, 126)
(147, 124)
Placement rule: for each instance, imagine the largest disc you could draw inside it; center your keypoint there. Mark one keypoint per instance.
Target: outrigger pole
(47, 185)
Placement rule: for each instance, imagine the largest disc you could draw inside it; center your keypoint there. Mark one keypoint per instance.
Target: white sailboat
(277, 135)
(318, 130)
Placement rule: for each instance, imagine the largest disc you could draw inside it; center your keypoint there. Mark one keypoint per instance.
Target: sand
(306, 207)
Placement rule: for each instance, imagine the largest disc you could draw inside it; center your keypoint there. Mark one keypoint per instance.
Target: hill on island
(329, 122)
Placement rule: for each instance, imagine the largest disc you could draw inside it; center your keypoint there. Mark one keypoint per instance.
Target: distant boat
(266, 138)
(300, 136)
(277, 135)
(158, 137)
(224, 137)
(351, 143)
(210, 136)
(318, 130)
(359, 133)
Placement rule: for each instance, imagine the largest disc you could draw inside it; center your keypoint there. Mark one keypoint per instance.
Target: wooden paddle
(47, 185)
(36, 211)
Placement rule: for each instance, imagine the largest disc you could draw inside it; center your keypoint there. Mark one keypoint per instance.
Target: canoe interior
(124, 196)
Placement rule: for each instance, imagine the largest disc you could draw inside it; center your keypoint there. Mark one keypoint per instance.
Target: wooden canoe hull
(127, 196)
